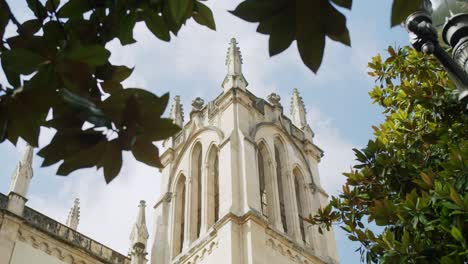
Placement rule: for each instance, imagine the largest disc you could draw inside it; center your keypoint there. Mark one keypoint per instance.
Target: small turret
(298, 114)
(234, 77)
(139, 237)
(20, 183)
(177, 112)
(74, 215)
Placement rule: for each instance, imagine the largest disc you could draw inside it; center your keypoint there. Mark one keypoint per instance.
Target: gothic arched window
(179, 216)
(300, 201)
(266, 180)
(212, 186)
(282, 180)
(196, 170)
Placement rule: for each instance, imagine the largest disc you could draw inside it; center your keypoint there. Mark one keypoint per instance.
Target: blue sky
(339, 109)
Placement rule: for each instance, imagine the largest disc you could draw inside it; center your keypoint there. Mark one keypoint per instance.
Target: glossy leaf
(203, 15)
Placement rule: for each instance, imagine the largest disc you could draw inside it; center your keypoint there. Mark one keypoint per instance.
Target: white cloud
(338, 156)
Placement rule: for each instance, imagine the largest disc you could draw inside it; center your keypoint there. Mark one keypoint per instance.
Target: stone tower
(236, 181)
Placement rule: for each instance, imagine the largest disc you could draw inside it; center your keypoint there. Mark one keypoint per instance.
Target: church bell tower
(237, 179)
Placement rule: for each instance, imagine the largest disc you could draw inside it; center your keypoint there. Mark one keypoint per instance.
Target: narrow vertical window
(212, 188)
(263, 190)
(182, 221)
(179, 216)
(299, 193)
(199, 192)
(280, 177)
(196, 193)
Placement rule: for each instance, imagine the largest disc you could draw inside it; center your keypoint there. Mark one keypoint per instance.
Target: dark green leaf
(121, 73)
(336, 26)
(21, 61)
(157, 25)
(38, 9)
(52, 5)
(30, 27)
(401, 9)
(257, 10)
(125, 30)
(311, 45)
(179, 9)
(282, 33)
(266, 26)
(74, 8)
(203, 15)
(94, 54)
(111, 86)
(111, 160)
(147, 153)
(344, 3)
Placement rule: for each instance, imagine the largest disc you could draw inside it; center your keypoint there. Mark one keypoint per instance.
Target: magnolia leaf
(282, 33)
(146, 152)
(74, 8)
(178, 9)
(125, 29)
(257, 10)
(38, 9)
(93, 54)
(336, 26)
(457, 234)
(111, 160)
(21, 61)
(30, 27)
(52, 5)
(157, 25)
(343, 3)
(204, 16)
(401, 9)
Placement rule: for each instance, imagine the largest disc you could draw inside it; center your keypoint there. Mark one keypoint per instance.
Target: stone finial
(298, 111)
(177, 112)
(20, 182)
(234, 77)
(74, 215)
(139, 237)
(274, 99)
(197, 104)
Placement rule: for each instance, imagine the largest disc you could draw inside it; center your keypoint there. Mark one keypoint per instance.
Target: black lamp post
(423, 37)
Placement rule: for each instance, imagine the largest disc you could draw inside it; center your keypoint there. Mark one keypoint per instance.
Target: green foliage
(412, 178)
(58, 65)
(308, 22)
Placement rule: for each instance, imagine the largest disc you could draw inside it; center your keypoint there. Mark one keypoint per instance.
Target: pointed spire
(23, 173)
(20, 183)
(298, 111)
(139, 237)
(74, 215)
(177, 112)
(234, 77)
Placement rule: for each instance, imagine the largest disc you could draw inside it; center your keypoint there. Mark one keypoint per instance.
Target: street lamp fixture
(452, 17)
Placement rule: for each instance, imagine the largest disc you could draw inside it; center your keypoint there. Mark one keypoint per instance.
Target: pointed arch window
(263, 189)
(196, 171)
(298, 189)
(282, 182)
(212, 186)
(179, 217)
(303, 205)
